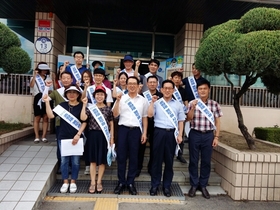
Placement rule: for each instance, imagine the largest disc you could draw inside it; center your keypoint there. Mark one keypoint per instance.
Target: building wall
(252, 116)
(186, 44)
(16, 108)
(57, 36)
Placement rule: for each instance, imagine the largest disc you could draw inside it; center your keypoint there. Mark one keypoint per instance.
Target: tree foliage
(13, 59)
(250, 47)
(7, 38)
(16, 61)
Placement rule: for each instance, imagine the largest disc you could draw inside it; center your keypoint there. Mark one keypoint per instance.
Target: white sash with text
(206, 111)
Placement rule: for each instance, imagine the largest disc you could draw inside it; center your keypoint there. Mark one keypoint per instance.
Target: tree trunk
(244, 130)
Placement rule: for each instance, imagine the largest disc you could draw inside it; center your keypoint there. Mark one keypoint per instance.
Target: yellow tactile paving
(147, 200)
(54, 198)
(106, 203)
(111, 203)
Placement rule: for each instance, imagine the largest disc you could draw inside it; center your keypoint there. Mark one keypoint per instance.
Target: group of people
(137, 108)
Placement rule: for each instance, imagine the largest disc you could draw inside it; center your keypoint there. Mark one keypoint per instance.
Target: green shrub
(268, 134)
(16, 60)
(9, 127)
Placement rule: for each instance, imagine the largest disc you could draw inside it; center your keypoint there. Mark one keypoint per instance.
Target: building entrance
(112, 63)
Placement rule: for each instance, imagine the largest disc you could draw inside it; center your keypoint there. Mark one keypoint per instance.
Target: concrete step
(181, 174)
(177, 165)
(181, 177)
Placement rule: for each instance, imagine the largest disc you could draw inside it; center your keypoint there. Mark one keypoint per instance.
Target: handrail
(255, 97)
(15, 84)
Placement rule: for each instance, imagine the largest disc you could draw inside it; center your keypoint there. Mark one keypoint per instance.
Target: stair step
(177, 165)
(179, 176)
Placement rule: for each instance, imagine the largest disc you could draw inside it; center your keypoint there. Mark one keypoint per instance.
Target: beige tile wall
(57, 36)
(186, 43)
(250, 176)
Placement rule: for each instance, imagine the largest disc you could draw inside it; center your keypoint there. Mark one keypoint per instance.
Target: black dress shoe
(192, 192)
(153, 191)
(119, 188)
(181, 159)
(166, 192)
(132, 190)
(205, 192)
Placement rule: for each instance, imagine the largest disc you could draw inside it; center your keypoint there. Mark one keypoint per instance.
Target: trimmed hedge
(268, 134)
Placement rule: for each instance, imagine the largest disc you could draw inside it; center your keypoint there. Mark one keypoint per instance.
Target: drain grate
(108, 189)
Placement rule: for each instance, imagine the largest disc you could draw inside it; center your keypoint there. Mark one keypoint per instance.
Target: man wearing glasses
(169, 117)
(77, 69)
(132, 111)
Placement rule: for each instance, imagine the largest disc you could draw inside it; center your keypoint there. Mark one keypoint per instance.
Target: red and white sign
(44, 26)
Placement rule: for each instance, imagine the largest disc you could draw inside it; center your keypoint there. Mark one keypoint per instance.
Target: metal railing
(15, 84)
(255, 97)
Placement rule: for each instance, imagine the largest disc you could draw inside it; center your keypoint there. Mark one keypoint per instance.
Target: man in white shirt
(132, 110)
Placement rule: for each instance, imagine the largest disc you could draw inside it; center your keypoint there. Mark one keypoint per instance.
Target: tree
(13, 59)
(247, 47)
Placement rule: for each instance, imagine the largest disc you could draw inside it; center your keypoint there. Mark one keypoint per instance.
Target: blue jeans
(58, 155)
(64, 167)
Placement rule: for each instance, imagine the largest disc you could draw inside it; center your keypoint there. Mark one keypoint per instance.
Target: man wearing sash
(181, 96)
(128, 64)
(99, 75)
(153, 68)
(152, 83)
(204, 115)
(99, 65)
(168, 117)
(77, 69)
(132, 111)
(197, 77)
(58, 97)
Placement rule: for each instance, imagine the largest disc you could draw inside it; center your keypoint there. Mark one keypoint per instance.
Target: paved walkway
(196, 203)
(26, 170)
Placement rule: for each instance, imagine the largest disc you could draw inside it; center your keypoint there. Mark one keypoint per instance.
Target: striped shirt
(199, 121)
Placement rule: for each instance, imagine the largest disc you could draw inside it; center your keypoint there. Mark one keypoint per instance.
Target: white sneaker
(87, 171)
(64, 188)
(73, 187)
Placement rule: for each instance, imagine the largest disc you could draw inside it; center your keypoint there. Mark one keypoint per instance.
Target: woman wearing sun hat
(37, 84)
(73, 109)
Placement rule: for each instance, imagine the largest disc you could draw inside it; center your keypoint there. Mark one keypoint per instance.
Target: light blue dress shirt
(160, 118)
